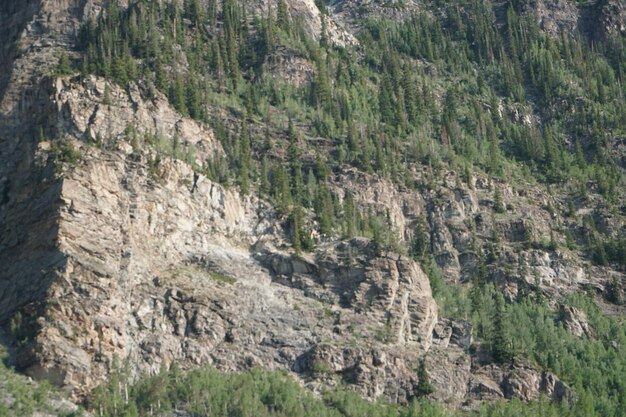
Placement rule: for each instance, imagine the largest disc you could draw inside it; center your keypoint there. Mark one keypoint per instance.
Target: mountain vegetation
(596, 369)
(475, 88)
(505, 99)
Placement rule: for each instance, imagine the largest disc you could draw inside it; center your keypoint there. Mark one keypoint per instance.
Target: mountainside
(408, 200)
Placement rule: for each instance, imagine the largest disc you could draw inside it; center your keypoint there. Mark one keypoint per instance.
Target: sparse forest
(510, 101)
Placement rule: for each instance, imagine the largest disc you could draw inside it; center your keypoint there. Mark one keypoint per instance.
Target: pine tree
(245, 158)
(281, 189)
(420, 242)
(119, 70)
(269, 31)
(64, 66)
(324, 43)
(264, 186)
(615, 292)
(499, 337)
(282, 16)
(479, 280)
(217, 55)
(194, 101)
(498, 205)
(424, 386)
(350, 217)
(323, 172)
(324, 209)
(580, 157)
(296, 226)
(178, 96)
(386, 101)
(231, 30)
(320, 87)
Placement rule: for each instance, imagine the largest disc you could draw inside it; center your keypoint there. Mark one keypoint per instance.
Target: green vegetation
(423, 382)
(594, 368)
(64, 66)
(219, 277)
(18, 397)
(453, 92)
(65, 152)
(256, 393)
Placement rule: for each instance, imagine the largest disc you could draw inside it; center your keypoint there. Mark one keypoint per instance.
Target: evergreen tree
(296, 229)
(615, 292)
(264, 186)
(281, 189)
(64, 66)
(498, 205)
(478, 280)
(420, 244)
(296, 172)
(245, 158)
(499, 339)
(350, 217)
(282, 16)
(324, 209)
(178, 96)
(424, 386)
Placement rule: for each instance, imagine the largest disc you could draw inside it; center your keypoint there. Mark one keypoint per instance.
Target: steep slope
(139, 231)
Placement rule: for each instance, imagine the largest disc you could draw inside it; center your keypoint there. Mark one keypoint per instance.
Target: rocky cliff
(116, 248)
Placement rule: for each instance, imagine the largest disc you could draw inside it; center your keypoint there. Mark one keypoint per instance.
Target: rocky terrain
(115, 249)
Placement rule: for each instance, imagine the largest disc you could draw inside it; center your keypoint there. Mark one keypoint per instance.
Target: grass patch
(219, 277)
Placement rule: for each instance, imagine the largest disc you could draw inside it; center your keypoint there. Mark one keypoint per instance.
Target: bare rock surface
(575, 321)
(158, 273)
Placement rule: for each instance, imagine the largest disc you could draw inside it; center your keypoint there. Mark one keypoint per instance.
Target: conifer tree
(282, 16)
(296, 172)
(245, 158)
(420, 242)
(281, 188)
(350, 216)
(499, 339)
(296, 226)
(479, 280)
(324, 209)
(424, 386)
(64, 66)
(264, 186)
(498, 205)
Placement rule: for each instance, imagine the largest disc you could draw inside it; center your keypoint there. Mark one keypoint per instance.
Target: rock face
(159, 270)
(129, 256)
(575, 322)
(611, 16)
(555, 17)
(306, 12)
(391, 290)
(157, 264)
(518, 380)
(96, 110)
